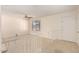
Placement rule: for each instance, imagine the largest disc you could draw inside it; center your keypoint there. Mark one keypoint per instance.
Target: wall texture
(0, 30)
(13, 24)
(78, 25)
(58, 26)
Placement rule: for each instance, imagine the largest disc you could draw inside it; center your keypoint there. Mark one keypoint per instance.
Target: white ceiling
(37, 10)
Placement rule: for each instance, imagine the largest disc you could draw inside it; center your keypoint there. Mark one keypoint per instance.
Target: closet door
(69, 28)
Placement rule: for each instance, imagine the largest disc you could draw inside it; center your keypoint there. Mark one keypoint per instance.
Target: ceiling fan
(27, 17)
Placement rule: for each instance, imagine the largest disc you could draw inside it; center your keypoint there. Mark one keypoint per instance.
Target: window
(36, 25)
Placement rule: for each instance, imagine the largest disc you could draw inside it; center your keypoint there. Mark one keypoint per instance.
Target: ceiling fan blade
(26, 17)
(29, 17)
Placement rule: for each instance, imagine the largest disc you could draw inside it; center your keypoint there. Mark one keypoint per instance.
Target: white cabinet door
(69, 28)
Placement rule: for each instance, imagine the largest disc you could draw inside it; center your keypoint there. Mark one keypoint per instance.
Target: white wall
(78, 25)
(0, 30)
(13, 24)
(58, 26)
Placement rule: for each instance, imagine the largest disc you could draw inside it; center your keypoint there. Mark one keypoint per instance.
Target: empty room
(39, 29)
